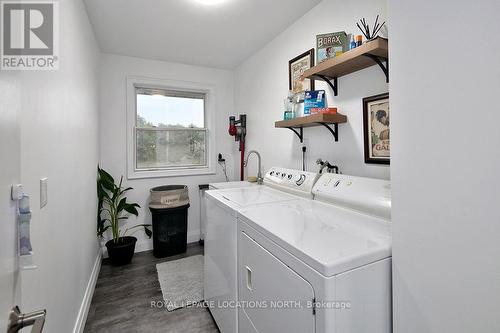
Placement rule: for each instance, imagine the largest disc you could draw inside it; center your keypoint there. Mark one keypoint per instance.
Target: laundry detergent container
(169, 209)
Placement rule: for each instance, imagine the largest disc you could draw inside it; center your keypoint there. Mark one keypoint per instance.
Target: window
(169, 131)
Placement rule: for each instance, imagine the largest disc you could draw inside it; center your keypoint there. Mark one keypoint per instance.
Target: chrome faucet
(260, 180)
(325, 164)
(322, 165)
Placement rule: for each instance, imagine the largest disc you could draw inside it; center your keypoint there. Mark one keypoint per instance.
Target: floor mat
(181, 281)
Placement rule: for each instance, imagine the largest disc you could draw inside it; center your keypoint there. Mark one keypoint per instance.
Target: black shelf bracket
(329, 80)
(380, 62)
(299, 133)
(334, 131)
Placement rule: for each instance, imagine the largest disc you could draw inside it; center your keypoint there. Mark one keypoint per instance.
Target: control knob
(301, 180)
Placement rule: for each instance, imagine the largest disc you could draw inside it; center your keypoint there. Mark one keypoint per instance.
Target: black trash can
(169, 210)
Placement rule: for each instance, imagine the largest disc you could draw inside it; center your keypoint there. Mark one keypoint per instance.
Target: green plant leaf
(121, 205)
(106, 180)
(102, 230)
(105, 195)
(148, 231)
(131, 208)
(103, 174)
(126, 189)
(111, 202)
(116, 194)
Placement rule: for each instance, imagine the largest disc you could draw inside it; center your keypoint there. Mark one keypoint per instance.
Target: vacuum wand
(238, 129)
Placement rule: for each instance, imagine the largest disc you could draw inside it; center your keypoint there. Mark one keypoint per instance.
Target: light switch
(43, 192)
(17, 192)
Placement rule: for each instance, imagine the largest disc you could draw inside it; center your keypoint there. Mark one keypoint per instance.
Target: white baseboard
(193, 236)
(144, 245)
(87, 297)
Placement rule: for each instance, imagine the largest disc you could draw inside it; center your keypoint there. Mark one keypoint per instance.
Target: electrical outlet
(43, 192)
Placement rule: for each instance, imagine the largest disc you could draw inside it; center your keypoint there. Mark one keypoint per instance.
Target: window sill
(140, 174)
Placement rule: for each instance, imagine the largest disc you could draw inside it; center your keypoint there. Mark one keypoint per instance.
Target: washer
(222, 209)
(215, 186)
(329, 258)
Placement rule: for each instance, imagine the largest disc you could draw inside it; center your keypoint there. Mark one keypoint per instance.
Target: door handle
(18, 320)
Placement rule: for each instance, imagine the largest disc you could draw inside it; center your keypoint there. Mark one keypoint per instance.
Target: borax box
(330, 45)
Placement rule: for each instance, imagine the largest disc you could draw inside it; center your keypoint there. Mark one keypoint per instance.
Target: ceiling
(219, 35)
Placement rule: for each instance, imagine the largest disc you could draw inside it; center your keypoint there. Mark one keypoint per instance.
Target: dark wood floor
(123, 296)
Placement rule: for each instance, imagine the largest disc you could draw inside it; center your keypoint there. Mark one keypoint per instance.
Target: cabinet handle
(249, 278)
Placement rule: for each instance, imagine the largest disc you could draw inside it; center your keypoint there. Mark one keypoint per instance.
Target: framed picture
(376, 129)
(296, 68)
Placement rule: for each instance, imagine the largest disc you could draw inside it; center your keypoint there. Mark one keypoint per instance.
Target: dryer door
(274, 297)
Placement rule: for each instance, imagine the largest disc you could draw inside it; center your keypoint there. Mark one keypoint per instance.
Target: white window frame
(134, 82)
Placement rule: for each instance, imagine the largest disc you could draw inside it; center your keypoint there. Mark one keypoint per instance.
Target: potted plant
(112, 210)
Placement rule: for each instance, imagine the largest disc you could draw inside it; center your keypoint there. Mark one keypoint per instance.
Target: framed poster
(376, 129)
(296, 68)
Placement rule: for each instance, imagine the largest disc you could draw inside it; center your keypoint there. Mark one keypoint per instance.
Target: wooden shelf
(312, 120)
(297, 124)
(375, 52)
(351, 61)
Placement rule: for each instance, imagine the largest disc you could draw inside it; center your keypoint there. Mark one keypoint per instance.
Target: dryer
(320, 265)
(222, 209)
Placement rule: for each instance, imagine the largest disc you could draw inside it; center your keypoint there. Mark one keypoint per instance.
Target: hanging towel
(24, 226)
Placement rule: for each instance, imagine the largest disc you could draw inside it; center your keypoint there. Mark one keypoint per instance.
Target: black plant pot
(121, 251)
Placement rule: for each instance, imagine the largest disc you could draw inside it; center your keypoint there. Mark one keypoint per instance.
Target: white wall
(445, 83)
(261, 84)
(59, 140)
(115, 70)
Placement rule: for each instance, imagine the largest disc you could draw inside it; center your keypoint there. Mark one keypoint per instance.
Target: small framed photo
(376, 129)
(296, 67)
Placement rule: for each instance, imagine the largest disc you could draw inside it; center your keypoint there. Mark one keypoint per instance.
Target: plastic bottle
(359, 40)
(291, 107)
(288, 106)
(352, 44)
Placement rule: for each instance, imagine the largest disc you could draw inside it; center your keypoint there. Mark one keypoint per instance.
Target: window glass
(169, 109)
(170, 129)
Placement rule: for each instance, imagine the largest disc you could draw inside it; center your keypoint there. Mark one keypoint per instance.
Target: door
(273, 297)
(10, 105)
(11, 318)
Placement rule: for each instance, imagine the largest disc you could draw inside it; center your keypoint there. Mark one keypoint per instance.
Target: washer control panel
(296, 181)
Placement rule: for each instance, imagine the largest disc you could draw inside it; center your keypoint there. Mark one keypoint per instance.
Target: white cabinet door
(271, 291)
(220, 283)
